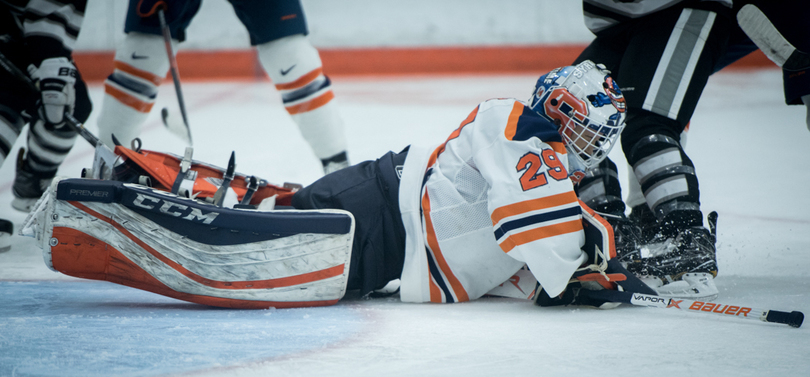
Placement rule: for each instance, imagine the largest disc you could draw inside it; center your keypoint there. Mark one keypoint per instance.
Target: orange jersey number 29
(531, 163)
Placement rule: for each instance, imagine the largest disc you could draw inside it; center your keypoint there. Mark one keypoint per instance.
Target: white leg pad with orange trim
(190, 250)
(295, 68)
(131, 90)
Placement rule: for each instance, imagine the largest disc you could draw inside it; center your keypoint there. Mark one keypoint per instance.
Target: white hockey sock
(131, 90)
(295, 68)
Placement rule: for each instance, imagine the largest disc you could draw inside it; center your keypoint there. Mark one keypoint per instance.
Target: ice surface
(750, 153)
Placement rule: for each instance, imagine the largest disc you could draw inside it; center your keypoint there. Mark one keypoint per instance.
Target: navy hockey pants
(370, 191)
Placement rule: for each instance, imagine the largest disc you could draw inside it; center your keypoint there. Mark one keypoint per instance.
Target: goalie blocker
(191, 250)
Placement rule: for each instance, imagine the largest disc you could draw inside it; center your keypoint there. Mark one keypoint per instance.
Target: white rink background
(751, 156)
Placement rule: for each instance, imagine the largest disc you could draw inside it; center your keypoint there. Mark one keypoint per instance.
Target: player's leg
(12, 98)
(11, 124)
(370, 191)
(140, 65)
(12, 103)
(279, 32)
(600, 189)
(666, 91)
(47, 144)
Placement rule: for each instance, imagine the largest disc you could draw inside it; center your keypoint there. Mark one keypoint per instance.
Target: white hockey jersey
(494, 197)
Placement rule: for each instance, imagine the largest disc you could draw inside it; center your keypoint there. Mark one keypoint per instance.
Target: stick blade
(762, 32)
(175, 125)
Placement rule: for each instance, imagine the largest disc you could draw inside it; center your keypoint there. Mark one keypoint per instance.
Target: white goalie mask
(587, 106)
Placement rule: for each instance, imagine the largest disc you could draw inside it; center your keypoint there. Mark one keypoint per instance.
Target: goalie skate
(680, 267)
(191, 250)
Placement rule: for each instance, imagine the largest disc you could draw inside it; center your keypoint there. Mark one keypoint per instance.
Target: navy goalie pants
(370, 191)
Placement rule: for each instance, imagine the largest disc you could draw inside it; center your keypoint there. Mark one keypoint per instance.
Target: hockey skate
(335, 163)
(681, 266)
(28, 184)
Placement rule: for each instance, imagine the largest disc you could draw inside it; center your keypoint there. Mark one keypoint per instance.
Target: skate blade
(696, 285)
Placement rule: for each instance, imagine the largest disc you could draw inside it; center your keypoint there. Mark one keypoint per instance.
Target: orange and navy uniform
(494, 197)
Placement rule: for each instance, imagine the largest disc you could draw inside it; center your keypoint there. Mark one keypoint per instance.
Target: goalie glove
(57, 79)
(602, 270)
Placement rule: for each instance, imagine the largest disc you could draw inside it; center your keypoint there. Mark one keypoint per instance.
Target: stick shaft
(762, 32)
(167, 39)
(793, 319)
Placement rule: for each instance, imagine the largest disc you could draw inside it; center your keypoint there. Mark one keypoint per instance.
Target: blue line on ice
(66, 328)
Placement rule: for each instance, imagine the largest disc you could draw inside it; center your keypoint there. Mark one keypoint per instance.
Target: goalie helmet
(587, 107)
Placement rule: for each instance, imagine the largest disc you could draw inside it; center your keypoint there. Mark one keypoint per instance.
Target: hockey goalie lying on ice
(492, 210)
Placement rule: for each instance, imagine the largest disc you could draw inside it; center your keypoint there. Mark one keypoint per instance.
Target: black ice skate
(683, 265)
(335, 163)
(28, 185)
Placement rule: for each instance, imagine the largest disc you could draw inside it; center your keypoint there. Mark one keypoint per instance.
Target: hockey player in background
(663, 53)
(452, 222)
(277, 29)
(36, 39)
(781, 34)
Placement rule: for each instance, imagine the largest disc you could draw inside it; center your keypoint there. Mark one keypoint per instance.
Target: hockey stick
(184, 132)
(762, 32)
(793, 319)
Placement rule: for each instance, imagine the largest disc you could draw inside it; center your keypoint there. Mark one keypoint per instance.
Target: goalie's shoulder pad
(195, 251)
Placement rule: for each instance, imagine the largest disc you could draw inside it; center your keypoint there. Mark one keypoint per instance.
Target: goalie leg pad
(148, 239)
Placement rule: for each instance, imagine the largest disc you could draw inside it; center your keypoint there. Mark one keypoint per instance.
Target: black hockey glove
(57, 79)
(601, 271)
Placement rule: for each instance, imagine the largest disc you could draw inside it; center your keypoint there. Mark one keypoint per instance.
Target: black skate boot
(335, 163)
(642, 216)
(627, 237)
(680, 263)
(28, 184)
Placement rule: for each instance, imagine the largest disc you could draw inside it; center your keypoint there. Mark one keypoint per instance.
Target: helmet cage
(589, 141)
(586, 105)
